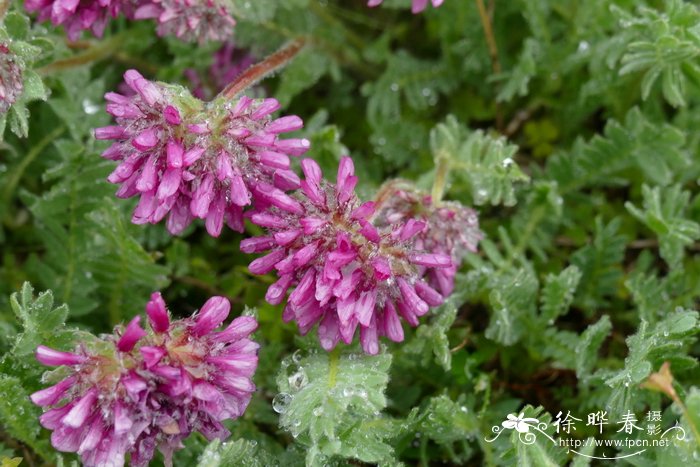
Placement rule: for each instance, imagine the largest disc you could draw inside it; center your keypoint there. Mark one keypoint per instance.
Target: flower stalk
(260, 70)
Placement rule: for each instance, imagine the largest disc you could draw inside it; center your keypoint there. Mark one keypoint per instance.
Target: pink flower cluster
(76, 15)
(136, 391)
(191, 20)
(416, 7)
(189, 159)
(11, 83)
(450, 228)
(346, 273)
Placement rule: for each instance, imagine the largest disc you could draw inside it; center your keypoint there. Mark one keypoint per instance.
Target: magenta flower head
(136, 391)
(189, 20)
(450, 228)
(189, 159)
(76, 15)
(416, 7)
(11, 83)
(346, 273)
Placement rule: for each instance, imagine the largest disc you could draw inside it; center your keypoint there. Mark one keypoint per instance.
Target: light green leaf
(664, 213)
(477, 162)
(331, 403)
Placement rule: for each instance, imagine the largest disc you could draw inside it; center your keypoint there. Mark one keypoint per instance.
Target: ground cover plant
(324, 232)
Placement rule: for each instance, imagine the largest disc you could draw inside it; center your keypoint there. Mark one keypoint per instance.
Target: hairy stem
(490, 38)
(493, 49)
(258, 71)
(4, 6)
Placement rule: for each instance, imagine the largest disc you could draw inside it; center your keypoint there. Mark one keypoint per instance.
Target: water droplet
(286, 361)
(298, 380)
(394, 87)
(317, 411)
(507, 162)
(90, 107)
(281, 402)
(583, 46)
(297, 356)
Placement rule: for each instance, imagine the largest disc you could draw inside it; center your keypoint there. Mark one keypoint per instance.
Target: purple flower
(416, 7)
(190, 20)
(76, 15)
(228, 64)
(450, 228)
(187, 158)
(137, 391)
(346, 273)
(11, 84)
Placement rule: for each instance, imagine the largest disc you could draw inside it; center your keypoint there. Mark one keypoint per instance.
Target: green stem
(440, 181)
(333, 362)
(424, 462)
(33, 153)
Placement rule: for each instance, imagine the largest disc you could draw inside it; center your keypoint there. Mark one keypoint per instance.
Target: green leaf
(240, 452)
(654, 148)
(558, 293)
(19, 416)
(91, 255)
(535, 449)
(648, 349)
(258, 11)
(476, 162)
(433, 335)
(588, 346)
(34, 88)
(446, 421)
(42, 323)
(599, 263)
(331, 404)
(662, 44)
(307, 68)
(664, 213)
(124, 270)
(518, 79)
(18, 118)
(16, 24)
(512, 299)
